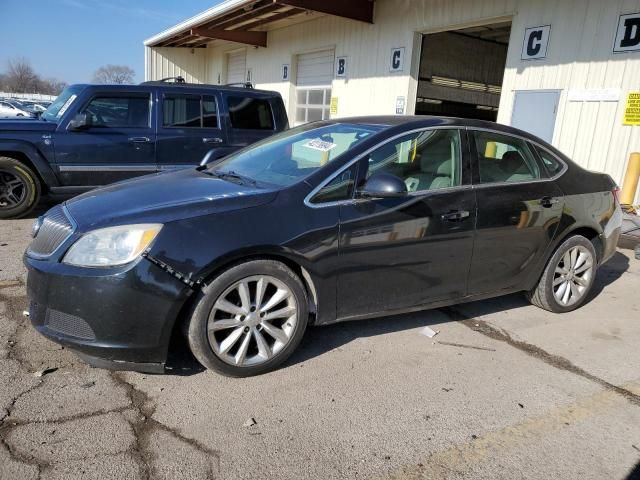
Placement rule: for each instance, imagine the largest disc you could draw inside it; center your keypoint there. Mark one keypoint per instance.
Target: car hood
(26, 124)
(162, 198)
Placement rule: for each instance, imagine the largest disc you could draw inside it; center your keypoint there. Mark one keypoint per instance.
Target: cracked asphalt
(505, 390)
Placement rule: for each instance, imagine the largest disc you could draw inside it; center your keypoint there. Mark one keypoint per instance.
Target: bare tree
(50, 86)
(114, 74)
(20, 77)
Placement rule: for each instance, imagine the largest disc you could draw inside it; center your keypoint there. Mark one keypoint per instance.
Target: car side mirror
(383, 185)
(81, 121)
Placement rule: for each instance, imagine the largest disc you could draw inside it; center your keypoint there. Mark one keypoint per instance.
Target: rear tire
(568, 277)
(19, 189)
(239, 332)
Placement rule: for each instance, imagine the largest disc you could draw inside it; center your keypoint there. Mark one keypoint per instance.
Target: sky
(71, 39)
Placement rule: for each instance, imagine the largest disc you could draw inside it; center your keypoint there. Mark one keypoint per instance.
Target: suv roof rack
(239, 84)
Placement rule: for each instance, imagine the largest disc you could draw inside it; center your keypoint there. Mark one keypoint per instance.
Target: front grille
(70, 325)
(55, 229)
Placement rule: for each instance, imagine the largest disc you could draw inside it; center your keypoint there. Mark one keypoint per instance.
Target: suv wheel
(249, 319)
(19, 188)
(568, 277)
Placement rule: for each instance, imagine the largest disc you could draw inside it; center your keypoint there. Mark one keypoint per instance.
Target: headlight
(111, 246)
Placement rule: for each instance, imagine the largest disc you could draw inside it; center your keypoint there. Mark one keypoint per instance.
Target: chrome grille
(55, 229)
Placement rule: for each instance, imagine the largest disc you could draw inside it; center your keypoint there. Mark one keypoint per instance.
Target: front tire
(249, 319)
(568, 277)
(19, 189)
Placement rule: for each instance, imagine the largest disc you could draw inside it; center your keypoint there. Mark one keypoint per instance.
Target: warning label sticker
(318, 144)
(632, 109)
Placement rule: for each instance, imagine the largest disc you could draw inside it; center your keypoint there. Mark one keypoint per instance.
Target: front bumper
(120, 318)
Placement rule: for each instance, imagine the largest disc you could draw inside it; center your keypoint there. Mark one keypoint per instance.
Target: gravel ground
(505, 390)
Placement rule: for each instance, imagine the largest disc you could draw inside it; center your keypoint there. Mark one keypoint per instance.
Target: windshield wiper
(231, 175)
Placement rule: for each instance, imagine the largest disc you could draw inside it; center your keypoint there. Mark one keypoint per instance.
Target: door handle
(455, 216)
(139, 139)
(548, 202)
(211, 140)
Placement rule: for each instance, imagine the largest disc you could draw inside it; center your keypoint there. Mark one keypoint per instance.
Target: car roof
(426, 121)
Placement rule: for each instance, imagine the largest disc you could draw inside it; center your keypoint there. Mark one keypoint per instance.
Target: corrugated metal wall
(579, 57)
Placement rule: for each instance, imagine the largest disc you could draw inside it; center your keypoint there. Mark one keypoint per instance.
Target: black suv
(93, 135)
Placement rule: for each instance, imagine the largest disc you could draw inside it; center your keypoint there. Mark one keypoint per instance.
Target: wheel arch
(239, 257)
(30, 156)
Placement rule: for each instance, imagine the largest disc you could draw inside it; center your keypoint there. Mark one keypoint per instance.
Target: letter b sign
(536, 40)
(628, 33)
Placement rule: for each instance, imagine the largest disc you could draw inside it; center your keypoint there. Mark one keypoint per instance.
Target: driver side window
(125, 111)
(425, 160)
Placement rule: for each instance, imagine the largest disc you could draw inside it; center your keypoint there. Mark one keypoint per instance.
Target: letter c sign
(536, 40)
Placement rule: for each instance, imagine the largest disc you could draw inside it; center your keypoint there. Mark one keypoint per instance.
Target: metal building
(566, 70)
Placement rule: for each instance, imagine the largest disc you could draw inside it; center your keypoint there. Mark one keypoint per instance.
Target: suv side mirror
(383, 185)
(81, 121)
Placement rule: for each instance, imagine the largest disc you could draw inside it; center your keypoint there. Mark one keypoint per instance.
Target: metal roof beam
(361, 10)
(258, 39)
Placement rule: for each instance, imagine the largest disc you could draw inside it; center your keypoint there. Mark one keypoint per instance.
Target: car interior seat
(515, 167)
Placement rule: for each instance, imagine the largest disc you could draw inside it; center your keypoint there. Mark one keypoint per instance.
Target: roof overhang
(247, 21)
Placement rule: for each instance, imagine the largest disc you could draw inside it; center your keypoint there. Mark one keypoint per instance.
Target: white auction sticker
(66, 105)
(318, 144)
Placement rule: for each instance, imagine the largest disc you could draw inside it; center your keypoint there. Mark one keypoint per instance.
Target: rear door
(519, 210)
(188, 127)
(120, 144)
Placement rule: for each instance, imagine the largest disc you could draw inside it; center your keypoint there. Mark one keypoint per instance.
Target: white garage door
(313, 86)
(237, 67)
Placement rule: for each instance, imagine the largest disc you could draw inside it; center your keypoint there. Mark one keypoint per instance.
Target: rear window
(250, 113)
(189, 111)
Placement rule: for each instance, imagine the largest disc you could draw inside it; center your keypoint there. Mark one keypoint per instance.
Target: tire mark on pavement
(556, 361)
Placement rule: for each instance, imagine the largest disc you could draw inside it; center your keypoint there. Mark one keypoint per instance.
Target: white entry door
(313, 86)
(237, 67)
(535, 112)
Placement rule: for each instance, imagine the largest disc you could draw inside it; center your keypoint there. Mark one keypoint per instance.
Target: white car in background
(7, 110)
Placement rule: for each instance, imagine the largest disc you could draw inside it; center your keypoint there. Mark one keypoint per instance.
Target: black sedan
(331, 221)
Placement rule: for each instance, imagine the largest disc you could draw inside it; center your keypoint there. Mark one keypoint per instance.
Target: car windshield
(61, 104)
(291, 156)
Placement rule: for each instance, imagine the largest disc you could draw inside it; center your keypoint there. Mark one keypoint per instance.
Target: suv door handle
(548, 202)
(455, 216)
(211, 140)
(139, 139)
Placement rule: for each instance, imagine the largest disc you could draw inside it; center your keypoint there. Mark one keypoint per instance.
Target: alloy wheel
(252, 320)
(572, 275)
(12, 190)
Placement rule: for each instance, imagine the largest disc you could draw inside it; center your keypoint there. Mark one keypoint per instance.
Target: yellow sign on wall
(632, 109)
(333, 107)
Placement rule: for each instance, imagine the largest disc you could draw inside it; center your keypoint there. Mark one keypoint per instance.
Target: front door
(188, 128)
(118, 144)
(518, 212)
(399, 253)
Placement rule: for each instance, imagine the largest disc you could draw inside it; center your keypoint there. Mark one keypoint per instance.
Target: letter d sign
(535, 43)
(628, 33)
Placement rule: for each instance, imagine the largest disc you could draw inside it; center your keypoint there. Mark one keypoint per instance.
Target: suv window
(426, 160)
(121, 111)
(250, 113)
(551, 163)
(189, 111)
(502, 158)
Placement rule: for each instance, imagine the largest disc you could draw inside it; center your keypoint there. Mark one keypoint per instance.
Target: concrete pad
(113, 467)
(66, 394)
(602, 337)
(11, 469)
(83, 438)
(186, 460)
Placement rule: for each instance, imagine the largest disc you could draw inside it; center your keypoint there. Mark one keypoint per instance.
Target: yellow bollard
(491, 150)
(630, 184)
